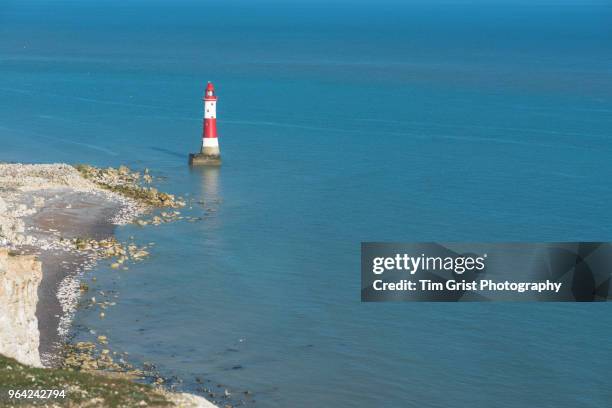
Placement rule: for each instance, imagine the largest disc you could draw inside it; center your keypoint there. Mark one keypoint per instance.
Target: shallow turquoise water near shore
(338, 125)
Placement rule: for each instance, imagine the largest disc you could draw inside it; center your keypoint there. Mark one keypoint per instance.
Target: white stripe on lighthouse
(210, 110)
(210, 142)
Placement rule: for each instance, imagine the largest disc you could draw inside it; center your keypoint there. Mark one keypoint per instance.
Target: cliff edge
(20, 276)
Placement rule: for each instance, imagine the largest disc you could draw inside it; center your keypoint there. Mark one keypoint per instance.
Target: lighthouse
(209, 154)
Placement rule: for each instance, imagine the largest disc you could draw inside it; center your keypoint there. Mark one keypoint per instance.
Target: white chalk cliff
(20, 276)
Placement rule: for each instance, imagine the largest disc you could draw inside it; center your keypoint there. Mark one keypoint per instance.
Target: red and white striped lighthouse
(210, 143)
(209, 153)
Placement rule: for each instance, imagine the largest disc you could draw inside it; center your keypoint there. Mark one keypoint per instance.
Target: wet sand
(74, 215)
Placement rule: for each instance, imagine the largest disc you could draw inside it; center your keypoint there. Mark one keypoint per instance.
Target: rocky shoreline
(56, 222)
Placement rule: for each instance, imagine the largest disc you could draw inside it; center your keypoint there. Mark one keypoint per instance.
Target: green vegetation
(81, 389)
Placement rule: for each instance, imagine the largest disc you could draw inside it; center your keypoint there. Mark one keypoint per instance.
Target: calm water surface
(339, 123)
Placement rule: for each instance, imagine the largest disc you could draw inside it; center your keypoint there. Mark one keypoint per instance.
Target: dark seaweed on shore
(128, 183)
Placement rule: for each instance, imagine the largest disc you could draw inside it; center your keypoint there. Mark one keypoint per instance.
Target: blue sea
(340, 122)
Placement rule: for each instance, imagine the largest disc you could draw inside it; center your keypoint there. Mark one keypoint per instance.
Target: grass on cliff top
(82, 389)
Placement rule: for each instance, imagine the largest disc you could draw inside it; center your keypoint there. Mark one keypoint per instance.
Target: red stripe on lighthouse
(210, 127)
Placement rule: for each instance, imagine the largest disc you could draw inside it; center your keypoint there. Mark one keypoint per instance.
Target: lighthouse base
(201, 159)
